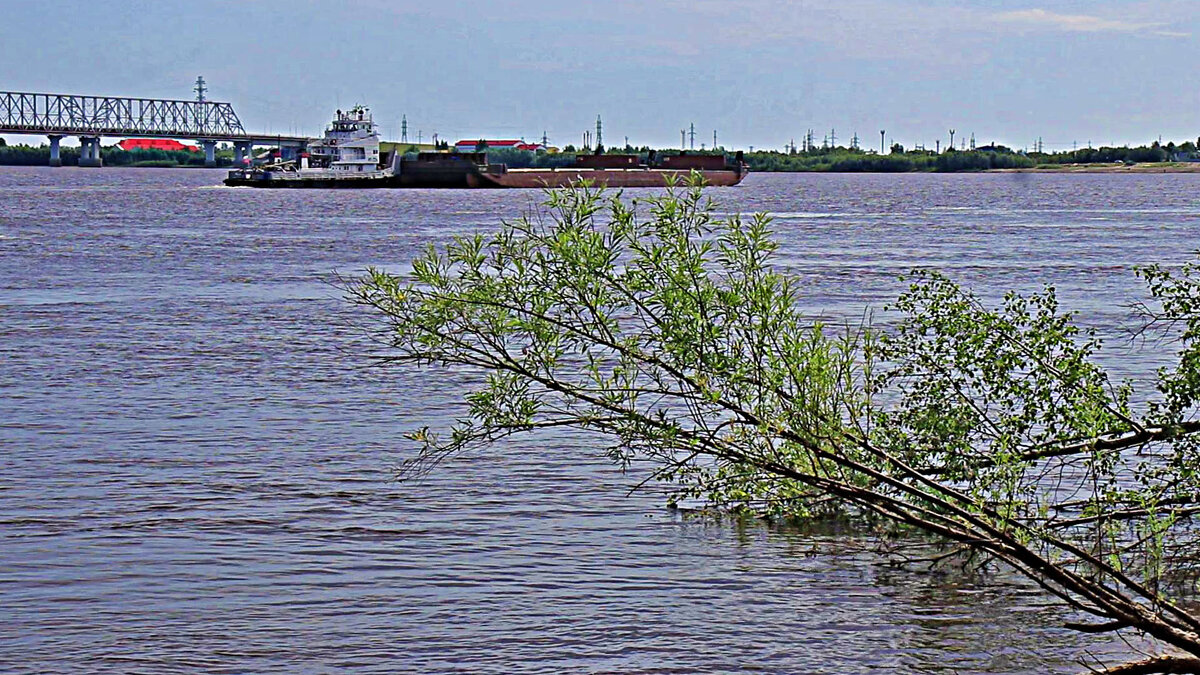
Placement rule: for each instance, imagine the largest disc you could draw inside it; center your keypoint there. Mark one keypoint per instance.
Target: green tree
(666, 329)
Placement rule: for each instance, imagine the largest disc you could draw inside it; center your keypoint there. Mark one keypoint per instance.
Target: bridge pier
(241, 152)
(210, 153)
(89, 151)
(55, 158)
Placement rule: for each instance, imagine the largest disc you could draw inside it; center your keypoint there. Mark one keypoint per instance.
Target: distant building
(155, 144)
(470, 145)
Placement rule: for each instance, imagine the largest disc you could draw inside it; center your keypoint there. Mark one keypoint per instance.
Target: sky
(759, 72)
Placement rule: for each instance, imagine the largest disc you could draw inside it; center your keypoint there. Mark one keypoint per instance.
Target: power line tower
(404, 128)
(833, 138)
(714, 139)
(599, 133)
(201, 90)
(854, 142)
(692, 136)
(808, 141)
(972, 142)
(545, 141)
(683, 139)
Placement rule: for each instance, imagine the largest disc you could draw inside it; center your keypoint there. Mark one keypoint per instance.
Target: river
(197, 466)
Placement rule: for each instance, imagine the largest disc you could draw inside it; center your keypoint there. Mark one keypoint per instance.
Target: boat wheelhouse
(350, 145)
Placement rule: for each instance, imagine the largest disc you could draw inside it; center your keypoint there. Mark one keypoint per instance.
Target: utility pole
(714, 139)
(420, 136)
(404, 128)
(951, 146)
(692, 135)
(881, 140)
(937, 144)
(683, 139)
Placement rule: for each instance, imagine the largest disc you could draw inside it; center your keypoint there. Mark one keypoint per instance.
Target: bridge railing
(80, 115)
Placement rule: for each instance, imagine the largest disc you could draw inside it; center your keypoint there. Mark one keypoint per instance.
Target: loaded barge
(348, 156)
(619, 171)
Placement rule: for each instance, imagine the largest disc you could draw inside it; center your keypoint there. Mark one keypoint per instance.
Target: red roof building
(155, 144)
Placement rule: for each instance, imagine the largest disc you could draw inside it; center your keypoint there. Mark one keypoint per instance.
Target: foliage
(25, 155)
(667, 330)
(524, 159)
(855, 160)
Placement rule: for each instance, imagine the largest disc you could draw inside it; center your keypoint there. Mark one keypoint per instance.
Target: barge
(620, 171)
(348, 156)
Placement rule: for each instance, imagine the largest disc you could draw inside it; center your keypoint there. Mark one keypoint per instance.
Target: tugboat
(346, 157)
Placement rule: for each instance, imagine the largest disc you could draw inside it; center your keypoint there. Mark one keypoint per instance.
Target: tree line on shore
(898, 160)
(831, 159)
(28, 155)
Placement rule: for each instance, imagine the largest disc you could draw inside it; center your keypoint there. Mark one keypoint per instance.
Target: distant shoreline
(1141, 167)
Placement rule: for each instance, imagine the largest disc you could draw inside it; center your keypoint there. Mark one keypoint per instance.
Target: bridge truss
(72, 115)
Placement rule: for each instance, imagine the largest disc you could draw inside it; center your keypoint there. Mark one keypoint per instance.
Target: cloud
(1079, 23)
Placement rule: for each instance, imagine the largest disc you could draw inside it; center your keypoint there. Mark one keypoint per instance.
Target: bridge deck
(74, 115)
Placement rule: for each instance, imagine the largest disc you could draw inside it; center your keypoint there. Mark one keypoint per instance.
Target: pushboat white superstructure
(350, 147)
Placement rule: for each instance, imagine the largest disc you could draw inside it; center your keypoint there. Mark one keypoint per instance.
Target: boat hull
(314, 183)
(459, 174)
(612, 178)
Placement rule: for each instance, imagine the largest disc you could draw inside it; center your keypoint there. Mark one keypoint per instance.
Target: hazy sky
(760, 72)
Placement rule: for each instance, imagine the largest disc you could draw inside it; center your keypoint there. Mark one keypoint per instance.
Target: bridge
(93, 117)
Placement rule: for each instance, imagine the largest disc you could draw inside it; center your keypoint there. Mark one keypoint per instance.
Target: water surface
(196, 469)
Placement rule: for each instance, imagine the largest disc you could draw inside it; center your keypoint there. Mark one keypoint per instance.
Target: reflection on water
(197, 469)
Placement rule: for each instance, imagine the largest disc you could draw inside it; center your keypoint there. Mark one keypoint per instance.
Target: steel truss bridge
(92, 117)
